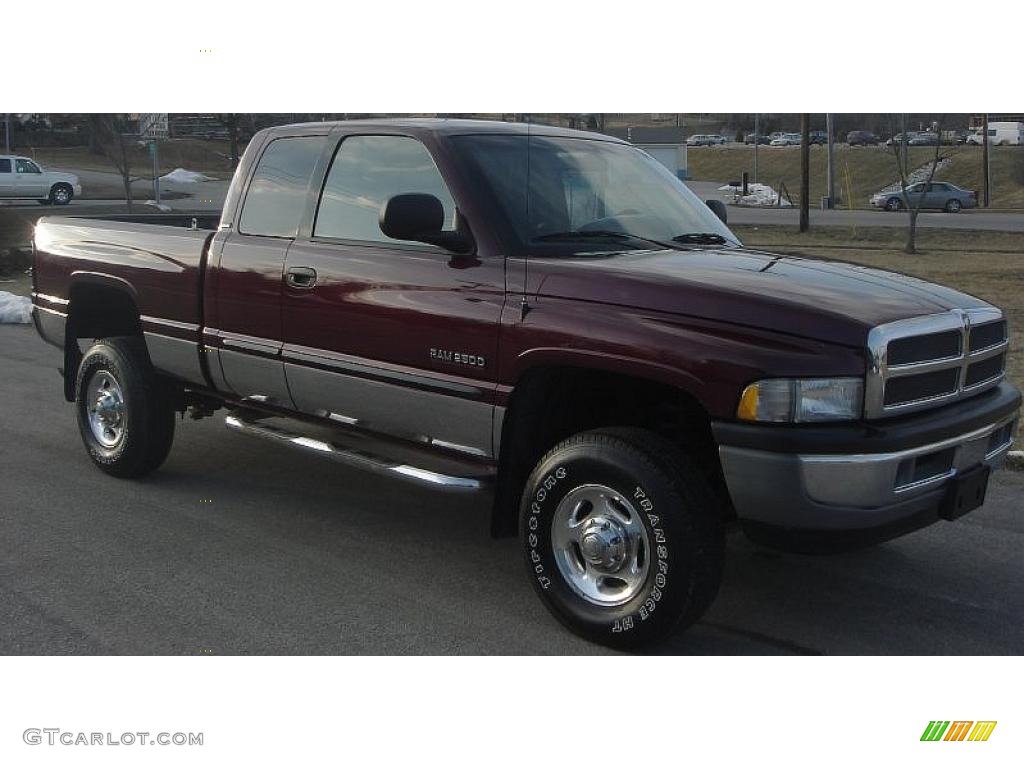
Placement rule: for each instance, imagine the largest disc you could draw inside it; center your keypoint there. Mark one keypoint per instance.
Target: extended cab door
(29, 180)
(395, 337)
(249, 274)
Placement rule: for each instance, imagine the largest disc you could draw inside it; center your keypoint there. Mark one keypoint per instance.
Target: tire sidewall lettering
(547, 483)
(545, 492)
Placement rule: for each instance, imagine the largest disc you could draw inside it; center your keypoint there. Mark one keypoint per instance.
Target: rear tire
(622, 536)
(125, 412)
(953, 206)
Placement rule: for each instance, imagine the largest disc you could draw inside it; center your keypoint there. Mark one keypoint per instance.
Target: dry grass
(989, 265)
(861, 171)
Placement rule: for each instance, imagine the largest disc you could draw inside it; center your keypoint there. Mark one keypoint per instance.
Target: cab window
(26, 166)
(365, 173)
(5, 165)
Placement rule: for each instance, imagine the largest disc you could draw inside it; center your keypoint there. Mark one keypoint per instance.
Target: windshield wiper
(602, 234)
(700, 238)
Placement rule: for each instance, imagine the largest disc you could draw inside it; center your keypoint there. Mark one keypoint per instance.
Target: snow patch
(759, 195)
(159, 206)
(181, 176)
(15, 309)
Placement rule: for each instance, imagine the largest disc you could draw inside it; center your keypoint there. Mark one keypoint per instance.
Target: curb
(1015, 460)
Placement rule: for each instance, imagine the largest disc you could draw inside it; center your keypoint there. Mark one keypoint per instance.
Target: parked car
(786, 140)
(22, 178)
(400, 297)
(861, 138)
(756, 138)
(924, 139)
(898, 138)
(818, 137)
(1000, 133)
(705, 140)
(938, 195)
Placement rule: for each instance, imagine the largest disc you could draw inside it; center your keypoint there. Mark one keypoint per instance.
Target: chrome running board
(477, 477)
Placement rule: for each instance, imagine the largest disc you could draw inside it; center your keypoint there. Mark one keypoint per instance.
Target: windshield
(569, 195)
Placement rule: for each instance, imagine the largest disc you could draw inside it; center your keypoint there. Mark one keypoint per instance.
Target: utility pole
(154, 154)
(984, 160)
(903, 141)
(831, 168)
(757, 140)
(805, 172)
(7, 132)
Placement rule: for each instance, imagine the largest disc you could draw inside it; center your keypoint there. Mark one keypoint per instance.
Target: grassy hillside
(861, 171)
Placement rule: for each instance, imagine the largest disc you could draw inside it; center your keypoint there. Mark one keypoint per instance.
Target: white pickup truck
(22, 178)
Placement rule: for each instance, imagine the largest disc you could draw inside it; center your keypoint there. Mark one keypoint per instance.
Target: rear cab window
(277, 194)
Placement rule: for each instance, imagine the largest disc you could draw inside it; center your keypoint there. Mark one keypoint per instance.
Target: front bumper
(866, 481)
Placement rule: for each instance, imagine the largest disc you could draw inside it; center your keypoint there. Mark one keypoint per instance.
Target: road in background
(200, 196)
(236, 546)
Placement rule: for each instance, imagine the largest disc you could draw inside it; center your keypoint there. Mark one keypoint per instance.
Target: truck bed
(156, 259)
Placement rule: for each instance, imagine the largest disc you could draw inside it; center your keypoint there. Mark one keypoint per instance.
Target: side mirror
(420, 218)
(719, 209)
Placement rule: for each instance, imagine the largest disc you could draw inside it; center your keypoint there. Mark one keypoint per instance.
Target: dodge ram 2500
(547, 316)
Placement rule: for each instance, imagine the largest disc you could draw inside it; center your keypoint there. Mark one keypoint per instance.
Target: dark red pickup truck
(547, 316)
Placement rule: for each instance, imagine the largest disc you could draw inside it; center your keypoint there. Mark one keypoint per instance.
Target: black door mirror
(719, 209)
(420, 218)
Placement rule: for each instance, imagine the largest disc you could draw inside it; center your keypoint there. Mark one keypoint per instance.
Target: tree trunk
(126, 176)
(911, 247)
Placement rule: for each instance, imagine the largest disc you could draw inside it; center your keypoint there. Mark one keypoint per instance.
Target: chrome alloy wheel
(105, 406)
(600, 545)
(61, 196)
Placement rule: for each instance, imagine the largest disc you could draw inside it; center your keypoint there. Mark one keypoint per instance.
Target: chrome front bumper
(835, 492)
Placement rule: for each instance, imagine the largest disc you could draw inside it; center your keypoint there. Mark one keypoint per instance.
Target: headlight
(802, 400)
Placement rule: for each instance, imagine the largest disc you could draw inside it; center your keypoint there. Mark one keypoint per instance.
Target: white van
(1001, 134)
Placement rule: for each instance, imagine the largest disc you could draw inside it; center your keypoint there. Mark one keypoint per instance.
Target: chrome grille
(932, 360)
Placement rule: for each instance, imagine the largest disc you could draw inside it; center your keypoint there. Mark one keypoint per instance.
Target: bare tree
(110, 135)
(901, 154)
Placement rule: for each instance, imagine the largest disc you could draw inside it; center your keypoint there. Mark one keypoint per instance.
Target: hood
(821, 300)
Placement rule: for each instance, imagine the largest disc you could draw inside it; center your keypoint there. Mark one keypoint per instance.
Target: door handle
(300, 277)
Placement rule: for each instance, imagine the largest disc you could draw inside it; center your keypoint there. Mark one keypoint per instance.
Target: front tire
(893, 204)
(61, 194)
(953, 206)
(622, 535)
(125, 413)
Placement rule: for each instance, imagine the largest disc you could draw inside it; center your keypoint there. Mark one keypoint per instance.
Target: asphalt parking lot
(238, 547)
